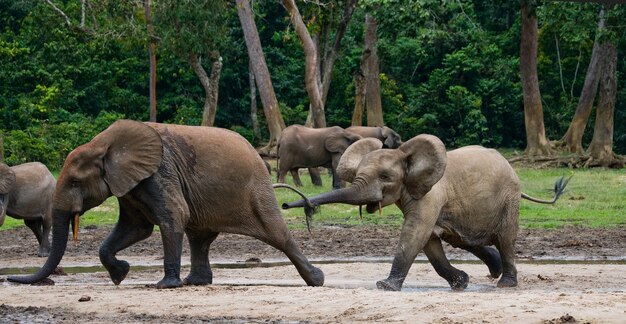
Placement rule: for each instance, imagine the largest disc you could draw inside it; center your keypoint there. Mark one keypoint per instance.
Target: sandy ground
(589, 288)
(557, 293)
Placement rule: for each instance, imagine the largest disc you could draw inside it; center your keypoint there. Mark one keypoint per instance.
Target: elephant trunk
(351, 195)
(59, 243)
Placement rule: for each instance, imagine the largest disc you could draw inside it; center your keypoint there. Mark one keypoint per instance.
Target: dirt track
(552, 292)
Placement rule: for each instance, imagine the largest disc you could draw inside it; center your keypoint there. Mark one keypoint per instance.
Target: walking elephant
(468, 197)
(304, 147)
(388, 136)
(26, 193)
(197, 181)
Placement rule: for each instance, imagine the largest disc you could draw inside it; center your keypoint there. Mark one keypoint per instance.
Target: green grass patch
(593, 198)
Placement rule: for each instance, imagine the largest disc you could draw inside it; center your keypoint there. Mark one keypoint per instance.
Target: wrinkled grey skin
(468, 197)
(197, 181)
(304, 147)
(26, 193)
(388, 136)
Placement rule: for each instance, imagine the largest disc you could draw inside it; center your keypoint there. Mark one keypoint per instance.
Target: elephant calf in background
(304, 147)
(468, 197)
(388, 136)
(26, 193)
(198, 181)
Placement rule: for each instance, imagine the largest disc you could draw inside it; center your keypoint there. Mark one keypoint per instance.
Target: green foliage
(447, 68)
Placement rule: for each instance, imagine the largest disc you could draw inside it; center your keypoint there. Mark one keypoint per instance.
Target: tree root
(570, 161)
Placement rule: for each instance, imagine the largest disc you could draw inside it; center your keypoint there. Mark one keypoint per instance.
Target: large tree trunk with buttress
(572, 140)
(275, 122)
(537, 143)
(601, 147)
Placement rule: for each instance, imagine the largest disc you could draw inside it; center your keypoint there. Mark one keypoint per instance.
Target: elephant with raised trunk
(388, 136)
(468, 197)
(304, 147)
(197, 181)
(26, 193)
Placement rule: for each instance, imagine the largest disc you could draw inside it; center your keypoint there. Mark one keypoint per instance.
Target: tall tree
(572, 139)
(311, 64)
(359, 98)
(373, 101)
(275, 122)
(152, 55)
(195, 31)
(536, 141)
(601, 147)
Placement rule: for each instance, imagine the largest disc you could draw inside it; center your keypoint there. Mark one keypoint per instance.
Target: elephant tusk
(75, 226)
(361, 212)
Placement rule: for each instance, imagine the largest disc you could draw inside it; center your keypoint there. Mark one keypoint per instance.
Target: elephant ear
(349, 162)
(426, 163)
(134, 153)
(7, 179)
(338, 142)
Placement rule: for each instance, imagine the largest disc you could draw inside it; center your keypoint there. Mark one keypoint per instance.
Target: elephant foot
(42, 253)
(168, 282)
(118, 271)
(507, 282)
(459, 281)
(316, 278)
(389, 285)
(199, 279)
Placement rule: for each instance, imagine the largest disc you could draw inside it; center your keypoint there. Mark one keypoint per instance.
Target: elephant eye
(385, 176)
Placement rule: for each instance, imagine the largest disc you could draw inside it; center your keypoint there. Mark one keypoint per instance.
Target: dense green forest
(450, 68)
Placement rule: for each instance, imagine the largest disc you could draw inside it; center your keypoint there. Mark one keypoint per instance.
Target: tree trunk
(253, 106)
(359, 100)
(373, 101)
(1, 147)
(152, 53)
(572, 139)
(210, 85)
(537, 143)
(601, 147)
(275, 122)
(331, 56)
(310, 56)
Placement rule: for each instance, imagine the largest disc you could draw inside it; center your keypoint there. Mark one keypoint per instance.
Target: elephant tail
(559, 188)
(309, 208)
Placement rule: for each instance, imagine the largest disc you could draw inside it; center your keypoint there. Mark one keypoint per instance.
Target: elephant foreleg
(199, 244)
(128, 231)
(316, 179)
(456, 278)
(414, 236)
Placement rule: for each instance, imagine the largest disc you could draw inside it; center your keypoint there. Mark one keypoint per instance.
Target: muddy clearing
(587, 283)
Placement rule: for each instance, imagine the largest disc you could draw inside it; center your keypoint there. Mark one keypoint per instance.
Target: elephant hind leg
(490, 256)
(457, 279)
(199, 244)
(296, 177)
(312, 276)
(505, 243)
(37, 226)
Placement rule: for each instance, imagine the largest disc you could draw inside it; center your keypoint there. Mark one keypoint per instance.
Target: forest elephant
(388, 136)
(468, 197)
(191, 180)
(26, 193)
(304, 147)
